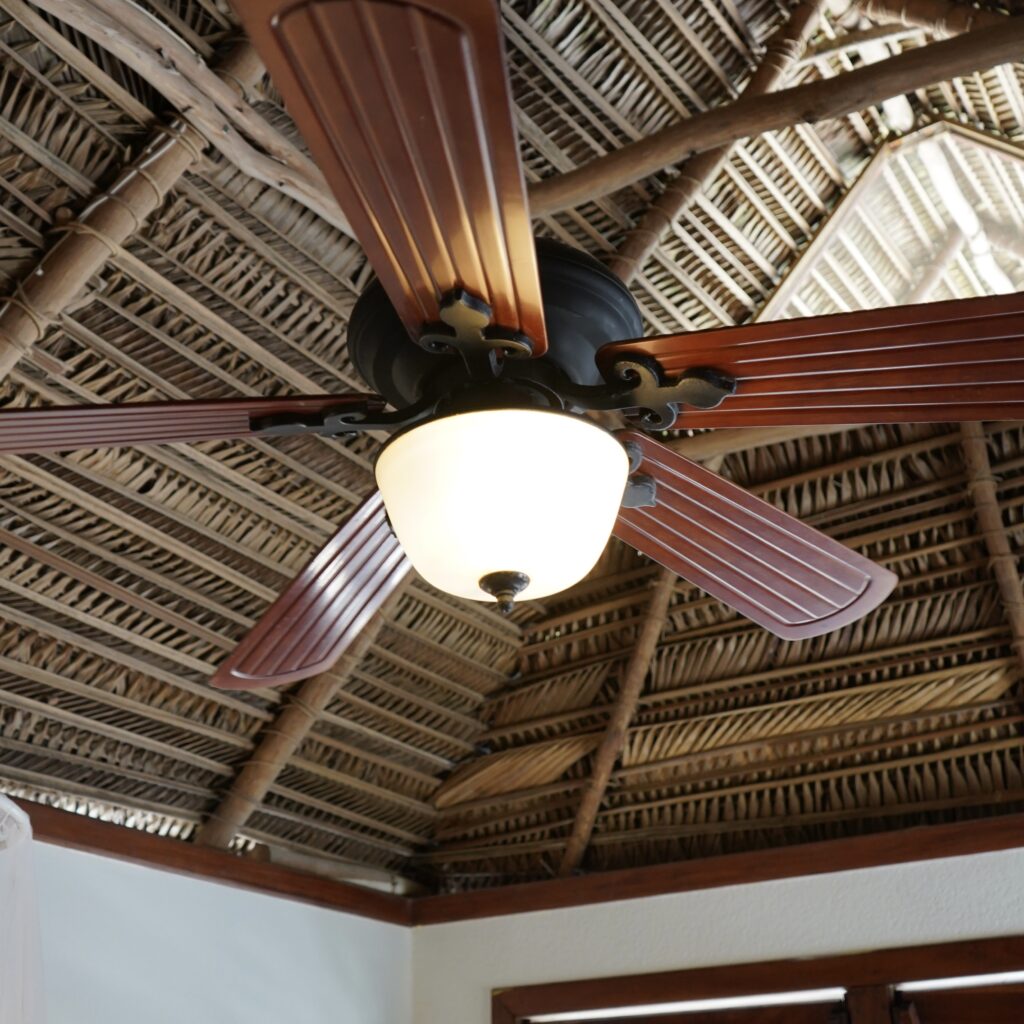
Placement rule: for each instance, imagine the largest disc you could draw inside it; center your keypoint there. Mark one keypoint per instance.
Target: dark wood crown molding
(78, 832)
(928, 842)
(931, 842)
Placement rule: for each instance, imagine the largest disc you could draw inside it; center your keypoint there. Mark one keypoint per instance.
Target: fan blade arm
(72, 427)
(322, 611)
(787, 577)
(406, 108)
(936, 362)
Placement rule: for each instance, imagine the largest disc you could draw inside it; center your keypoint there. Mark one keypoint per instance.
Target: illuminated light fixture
(506, 502)
(800, 998)
(967, 981)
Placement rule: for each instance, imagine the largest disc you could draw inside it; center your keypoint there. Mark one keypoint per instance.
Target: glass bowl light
(503, 491)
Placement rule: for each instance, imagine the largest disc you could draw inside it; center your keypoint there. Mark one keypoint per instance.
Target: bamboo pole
(935, 268)
(96, 235)
(831, 47)
(1004, 235)
(622, 712)
(943, 18)
(783, 50)
(815, 101)
(212, 109)
(984, 492)
(284, 735)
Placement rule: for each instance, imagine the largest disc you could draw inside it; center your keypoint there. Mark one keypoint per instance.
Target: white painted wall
(124, 944)
(455, 966)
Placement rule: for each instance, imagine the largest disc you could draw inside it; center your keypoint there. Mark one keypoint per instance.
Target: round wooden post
(112, 217)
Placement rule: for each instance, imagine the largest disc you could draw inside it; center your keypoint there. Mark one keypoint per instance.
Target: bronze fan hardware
(406, 108)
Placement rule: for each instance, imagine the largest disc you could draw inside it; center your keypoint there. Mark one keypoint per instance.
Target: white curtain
(20, 976)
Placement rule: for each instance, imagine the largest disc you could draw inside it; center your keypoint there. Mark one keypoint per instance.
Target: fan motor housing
(585, 307)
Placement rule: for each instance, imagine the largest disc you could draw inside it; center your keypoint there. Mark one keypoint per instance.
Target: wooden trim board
(858, 970)
(931, 842)
(78, 832)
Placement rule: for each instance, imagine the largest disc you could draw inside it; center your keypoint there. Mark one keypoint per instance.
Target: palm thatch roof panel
(458, 747)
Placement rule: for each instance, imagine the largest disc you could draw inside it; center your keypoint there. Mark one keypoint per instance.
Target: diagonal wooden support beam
(935, 267)
(285, 734)
(88, 242)
(783, 50)
(209, 103)
(1004, 235)
(851, 41)
(984, 491)
(848, 93)
(943, 18)
(621, 715)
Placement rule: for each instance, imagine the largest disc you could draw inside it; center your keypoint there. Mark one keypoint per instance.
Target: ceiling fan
(486, 348)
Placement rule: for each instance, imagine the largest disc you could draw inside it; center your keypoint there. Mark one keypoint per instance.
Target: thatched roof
(457, 749)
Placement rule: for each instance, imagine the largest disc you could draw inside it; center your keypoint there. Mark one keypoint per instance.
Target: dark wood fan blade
(324, 608)
(67, 427)
(786, 576)
(406, 108)
(937, 362)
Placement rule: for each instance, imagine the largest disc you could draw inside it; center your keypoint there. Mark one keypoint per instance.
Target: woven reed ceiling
(457, 750)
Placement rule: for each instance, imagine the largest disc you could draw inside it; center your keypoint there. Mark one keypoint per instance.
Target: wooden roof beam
(1005, 236)
(209, 104)
(842, 44)
(984, 492)
(283, 737)
(848, 93)
(782, 52)
(89, 242)
(935, 268)
(943, 18)
(622, 712)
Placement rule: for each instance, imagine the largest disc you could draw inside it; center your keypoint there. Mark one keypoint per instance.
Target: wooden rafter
(91, 239)
(984, 491)
(849, 42)
(935, 269)
(816, 101)
(209, 103)
(622, 711)
(943, 18)
(780, 56)
(283, 737)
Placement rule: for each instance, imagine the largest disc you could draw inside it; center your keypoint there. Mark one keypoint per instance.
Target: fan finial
(504, 587)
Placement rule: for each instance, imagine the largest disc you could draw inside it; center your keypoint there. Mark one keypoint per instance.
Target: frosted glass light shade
(503, 490)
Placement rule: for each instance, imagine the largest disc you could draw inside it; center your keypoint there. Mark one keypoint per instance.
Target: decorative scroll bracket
(635, 387)
(467, 329)
(344, 422)
(657, 402)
